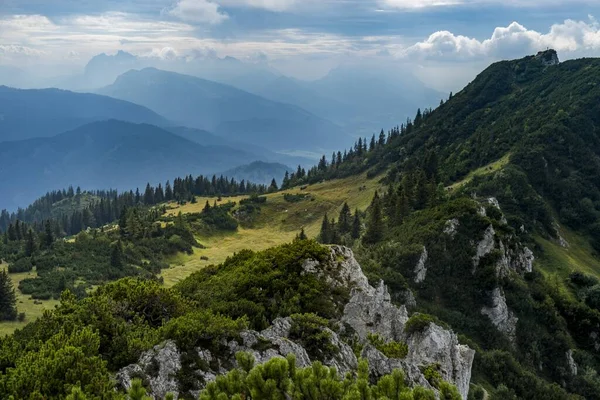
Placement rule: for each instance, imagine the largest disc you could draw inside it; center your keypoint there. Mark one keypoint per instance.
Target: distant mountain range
(109, 154)
(27, 114)
(227, 111)
(259, 172)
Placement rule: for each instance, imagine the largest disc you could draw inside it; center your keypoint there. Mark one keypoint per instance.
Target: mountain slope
(26, 114)
(101, 155)
(227, 111)
(259, 172)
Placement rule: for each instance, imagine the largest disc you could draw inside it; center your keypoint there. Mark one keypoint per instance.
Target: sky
(445, 42)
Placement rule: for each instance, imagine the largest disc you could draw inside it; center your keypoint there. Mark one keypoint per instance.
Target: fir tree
(375, 226)
(8, 299)
(356, 226)
(273, 186)
(301, 235)
(345, 220)
(116, 256)
(30, 244)
(325, 234)
(48, 234)
(137, 391)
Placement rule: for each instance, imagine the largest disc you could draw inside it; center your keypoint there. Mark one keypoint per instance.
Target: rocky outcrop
(421, 268)
(451, 227)
(500, 316)
(548, 57)
(369, 310)
(436, 345)
(157, 367)
(571, 363)
(374, 313)
(485, 246)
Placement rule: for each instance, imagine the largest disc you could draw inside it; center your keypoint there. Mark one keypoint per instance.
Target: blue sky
(304, 38)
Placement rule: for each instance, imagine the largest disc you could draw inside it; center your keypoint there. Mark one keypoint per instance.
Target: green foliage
(265, 285)
(390, 349)
(419, 322)
(137, 391)
(8, 300)
(202, 327)
(310, 331)
(279, 379)
(295, 197)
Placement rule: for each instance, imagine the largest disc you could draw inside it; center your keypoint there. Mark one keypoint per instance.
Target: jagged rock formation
(571, 363)
(548, 57)
(485, 246)
(421, 268)
(500, 315)
(157, 367)
(369, 310)
(451, 227)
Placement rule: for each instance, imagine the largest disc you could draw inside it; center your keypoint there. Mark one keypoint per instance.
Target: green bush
(390, 349)
(21, 265)
(419, 322)
(309, 330)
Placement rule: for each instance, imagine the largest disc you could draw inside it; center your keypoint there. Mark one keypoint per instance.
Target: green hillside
(481, 216)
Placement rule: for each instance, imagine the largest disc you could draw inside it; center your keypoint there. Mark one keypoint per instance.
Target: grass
(24, 304)
(486, 169)
(559, 261)
(278, 222)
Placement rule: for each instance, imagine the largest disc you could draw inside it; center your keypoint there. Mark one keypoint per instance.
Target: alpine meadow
(283, 200)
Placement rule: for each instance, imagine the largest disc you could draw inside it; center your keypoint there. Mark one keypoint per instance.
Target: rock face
(548, 57)
(500, 315)
(369, 310)
(438, 345)
(485, 246)
(571, 363)
(157, 367)
(421, 268)
(451, 227)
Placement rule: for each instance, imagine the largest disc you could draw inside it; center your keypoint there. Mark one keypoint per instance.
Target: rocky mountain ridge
(369, 311)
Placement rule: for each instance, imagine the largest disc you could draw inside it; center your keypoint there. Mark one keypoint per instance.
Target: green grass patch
(486, 169)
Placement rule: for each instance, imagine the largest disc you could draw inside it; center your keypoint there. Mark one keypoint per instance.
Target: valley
(453, 256)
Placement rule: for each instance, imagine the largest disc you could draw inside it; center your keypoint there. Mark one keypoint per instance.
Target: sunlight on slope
(486, 169)
(24, 304)
(278, 222)
(559, 261)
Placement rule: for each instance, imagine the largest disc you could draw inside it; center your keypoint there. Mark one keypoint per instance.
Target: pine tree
(76, 394)
(273, 186)
(137, 391)
(206, 207)
(48, 234)
(8, 299)
(345, 220)
(375, 226)
(116, 256)
(30, 243)
(325, 234)
(301, 235)
(168, 192)
(356, 226)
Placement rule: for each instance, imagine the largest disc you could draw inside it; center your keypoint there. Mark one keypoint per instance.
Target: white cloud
(416, 4)
(514, 40)
(272, 5)
(197, 11)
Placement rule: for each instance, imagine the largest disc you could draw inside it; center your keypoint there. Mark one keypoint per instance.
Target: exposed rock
(494, 202)
(342, 270)
(451, 227)
(548, 57)
(407, 298)
(481, 211)
(369, 310)
(485, 246)
(571, 363)
(438, 345)
(380, 365)
(523, 261)
(374, 313)
(561, 240)
(157, 367)
(502, 318)
(421, 268)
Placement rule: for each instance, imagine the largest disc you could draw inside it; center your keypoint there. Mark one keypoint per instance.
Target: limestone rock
(500, 316)
(157, 367)
(374, 313)
(451, 227)
(571, 363)
(421, 268)
(485, 246)
(438, 345)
